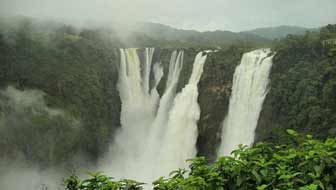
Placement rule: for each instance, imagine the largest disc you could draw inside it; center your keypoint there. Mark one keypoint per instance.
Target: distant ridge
(212, 38)
(147, 34)
(279, 31)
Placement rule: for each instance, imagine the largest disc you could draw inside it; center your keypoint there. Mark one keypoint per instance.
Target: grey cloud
(233, 15)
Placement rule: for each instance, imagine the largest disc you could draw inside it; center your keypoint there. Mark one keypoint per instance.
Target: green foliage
(98, 181)
(301, 164)
(304, 164)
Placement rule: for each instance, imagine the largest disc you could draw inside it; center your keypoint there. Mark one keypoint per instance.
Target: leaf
(262, 187)
(292, 132)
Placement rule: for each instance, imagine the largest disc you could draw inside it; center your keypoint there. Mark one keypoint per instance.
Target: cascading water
(137, 112)
(181, 134)
(249, 90)
(157, 134)
(158, 127)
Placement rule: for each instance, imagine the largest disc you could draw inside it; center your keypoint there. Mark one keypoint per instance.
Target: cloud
(191, 14)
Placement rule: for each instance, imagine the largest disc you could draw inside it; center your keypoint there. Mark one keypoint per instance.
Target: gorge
(72, 99)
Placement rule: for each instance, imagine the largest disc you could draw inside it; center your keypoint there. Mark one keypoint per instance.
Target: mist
(27, 157)
(18, 176)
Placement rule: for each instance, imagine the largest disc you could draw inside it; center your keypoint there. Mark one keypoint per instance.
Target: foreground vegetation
(301, 164)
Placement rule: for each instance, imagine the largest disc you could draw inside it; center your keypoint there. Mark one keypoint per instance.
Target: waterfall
(180, 138)
(249, 90)
(137, 112)
(157, 134)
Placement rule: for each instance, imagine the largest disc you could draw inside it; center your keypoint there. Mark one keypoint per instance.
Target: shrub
(301, 164)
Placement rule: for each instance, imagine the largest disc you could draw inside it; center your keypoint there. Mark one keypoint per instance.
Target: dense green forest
(303, 87)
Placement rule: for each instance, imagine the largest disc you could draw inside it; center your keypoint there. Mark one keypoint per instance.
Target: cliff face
(214, 95)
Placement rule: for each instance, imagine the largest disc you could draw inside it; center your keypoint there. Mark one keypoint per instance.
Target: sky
(203, 15)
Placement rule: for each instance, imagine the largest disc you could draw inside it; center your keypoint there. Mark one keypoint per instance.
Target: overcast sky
(234, 15)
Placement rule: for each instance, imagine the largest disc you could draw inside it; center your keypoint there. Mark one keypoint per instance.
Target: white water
(249, 90)
(157, 134)
(180, 136)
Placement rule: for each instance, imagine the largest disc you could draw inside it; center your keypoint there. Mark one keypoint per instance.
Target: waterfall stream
(249, 90)
(157, 134)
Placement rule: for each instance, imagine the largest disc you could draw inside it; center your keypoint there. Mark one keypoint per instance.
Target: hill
(279, 31)
(189, 38)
